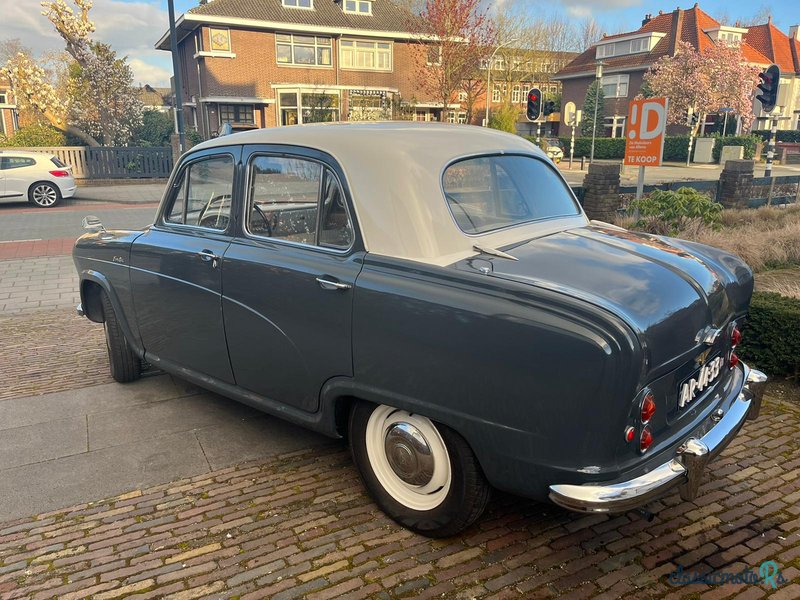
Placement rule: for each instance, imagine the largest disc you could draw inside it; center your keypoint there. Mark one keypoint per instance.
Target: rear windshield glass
(492, 192)
(57, 163)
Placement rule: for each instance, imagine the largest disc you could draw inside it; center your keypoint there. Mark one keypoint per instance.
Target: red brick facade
(8, 118)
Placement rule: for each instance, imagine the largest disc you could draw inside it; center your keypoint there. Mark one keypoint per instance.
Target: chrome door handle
(328, 284)
(209, 256)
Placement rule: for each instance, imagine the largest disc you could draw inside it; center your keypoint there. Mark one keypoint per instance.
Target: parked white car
(39, 177)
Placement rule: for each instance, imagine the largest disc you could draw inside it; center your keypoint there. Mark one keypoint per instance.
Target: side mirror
(92, 223)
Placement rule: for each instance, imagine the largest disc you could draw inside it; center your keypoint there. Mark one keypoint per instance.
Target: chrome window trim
(263, 238)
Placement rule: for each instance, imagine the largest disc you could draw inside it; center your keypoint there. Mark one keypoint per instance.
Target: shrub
(35, 135)
(670, 212)
(193, 138)
(155, 129)
(748, 141)
(784, 135)
(771, 341)
(675, 148)
(604, 148)
(504, 119)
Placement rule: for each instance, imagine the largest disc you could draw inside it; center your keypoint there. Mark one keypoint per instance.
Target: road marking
(14, 241)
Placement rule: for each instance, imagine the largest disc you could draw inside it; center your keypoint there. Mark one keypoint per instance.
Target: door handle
(332, 284)
(209, 256)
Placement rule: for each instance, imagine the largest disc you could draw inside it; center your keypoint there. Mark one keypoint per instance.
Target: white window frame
(616, 125)
(496, 93)
(351, 45)
(428, 56)
(316, 47)
(459, 117)
(516, 94)
(617, 81)
(359, 4)
(462, 96)
(296, 4)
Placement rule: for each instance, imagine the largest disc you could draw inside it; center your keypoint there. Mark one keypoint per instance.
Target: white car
(40, 178)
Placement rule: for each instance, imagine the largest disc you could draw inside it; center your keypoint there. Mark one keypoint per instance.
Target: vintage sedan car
(436, 295)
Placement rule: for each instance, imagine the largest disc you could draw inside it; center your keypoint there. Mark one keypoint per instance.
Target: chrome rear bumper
(685, 470)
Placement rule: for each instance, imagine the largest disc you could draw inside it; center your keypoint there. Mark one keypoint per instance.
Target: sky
(133, 26)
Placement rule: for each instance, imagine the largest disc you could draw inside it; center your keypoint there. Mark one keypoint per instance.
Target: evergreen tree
(593, 95)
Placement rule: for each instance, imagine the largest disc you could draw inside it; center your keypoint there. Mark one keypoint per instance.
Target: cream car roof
(394, 171)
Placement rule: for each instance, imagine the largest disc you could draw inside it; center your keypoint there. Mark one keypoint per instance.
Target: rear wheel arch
(91, 298)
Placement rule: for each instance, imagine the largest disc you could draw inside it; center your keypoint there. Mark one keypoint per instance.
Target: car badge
(701, 358)
(708, 335)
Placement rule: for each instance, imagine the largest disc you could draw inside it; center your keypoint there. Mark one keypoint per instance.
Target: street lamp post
(173, 43)
(489, 78)
(598, 77)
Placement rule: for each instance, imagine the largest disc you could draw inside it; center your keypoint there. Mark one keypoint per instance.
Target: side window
(297, 200)
(204, 195)
(17, 162)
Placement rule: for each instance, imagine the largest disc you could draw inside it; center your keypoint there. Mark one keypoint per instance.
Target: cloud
(131, 28)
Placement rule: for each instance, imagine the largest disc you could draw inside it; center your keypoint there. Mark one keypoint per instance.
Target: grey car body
(535, 343)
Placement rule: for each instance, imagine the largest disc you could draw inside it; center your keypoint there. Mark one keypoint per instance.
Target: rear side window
(297, 200)
(491, 192)
(58, 163)
(202, 198)
(17, 162)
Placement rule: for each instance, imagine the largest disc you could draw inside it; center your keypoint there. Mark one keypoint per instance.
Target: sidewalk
(140, 193)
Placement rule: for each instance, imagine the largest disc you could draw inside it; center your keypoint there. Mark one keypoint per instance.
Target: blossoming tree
(101, 101)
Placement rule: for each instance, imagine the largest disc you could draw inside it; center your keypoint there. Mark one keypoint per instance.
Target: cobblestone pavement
(33, 284)
(300, 525)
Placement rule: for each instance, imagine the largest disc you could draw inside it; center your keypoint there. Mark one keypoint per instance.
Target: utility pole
(176, 76)
(773, 133)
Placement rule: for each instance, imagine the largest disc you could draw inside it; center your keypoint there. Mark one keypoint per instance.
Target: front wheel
(44, 195)
(424, 476)
(125, 365)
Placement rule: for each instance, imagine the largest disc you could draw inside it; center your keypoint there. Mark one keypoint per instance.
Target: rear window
(493, 192)
(57, 162)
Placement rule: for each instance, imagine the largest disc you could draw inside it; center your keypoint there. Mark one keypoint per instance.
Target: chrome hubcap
(44, 195)
(409, 454)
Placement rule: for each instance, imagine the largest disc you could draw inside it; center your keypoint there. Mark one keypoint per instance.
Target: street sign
(569, 113)
(647, 123)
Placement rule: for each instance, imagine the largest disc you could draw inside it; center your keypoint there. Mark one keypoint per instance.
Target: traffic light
(692, 118)
(549, 108)
(534, 104)
(770, 80)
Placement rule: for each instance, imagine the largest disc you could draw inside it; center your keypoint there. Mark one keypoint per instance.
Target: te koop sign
(647, 124)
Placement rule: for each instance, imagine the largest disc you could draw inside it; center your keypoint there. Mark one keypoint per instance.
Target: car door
(19, 174)
(289, 276)
(2, 177)
(176, 267)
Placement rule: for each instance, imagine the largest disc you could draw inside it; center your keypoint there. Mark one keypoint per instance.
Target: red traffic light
(770, 81)
(534, 104)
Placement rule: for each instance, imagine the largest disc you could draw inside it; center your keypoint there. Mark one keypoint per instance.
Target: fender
(102, 281)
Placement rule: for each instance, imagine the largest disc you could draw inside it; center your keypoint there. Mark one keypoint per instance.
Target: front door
(176, 268)
(289, 277)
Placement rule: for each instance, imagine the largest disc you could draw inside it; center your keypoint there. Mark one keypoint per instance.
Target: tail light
(736, 337)
(734, 360)
(648, 408)
(645, 439)
(60, 173)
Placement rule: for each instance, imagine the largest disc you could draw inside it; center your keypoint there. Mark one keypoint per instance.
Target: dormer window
(307, 4)
(359, 7)
(727, 35)
(628, 45)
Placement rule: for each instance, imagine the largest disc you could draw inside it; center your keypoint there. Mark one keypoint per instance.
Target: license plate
(699, 381)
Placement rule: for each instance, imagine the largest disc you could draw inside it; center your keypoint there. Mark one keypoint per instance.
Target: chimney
(647, 18)
(794, 32)
(676, 31)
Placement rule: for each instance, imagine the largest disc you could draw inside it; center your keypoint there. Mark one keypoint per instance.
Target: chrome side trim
(79, 310)
(685, 470)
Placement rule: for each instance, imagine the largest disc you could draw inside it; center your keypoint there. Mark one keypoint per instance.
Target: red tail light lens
(734, 360)
(59, 173)
(645, 440)
(630, 433)
(736, 337)
(648, 408)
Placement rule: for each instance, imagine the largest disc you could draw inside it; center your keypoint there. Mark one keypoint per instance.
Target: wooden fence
(113, 162)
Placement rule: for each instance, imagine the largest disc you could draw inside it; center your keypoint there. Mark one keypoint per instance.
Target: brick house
(627, 56)
(8, 109)
(268, 63)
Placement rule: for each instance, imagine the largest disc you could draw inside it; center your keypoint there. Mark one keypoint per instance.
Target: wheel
(44, 195)
(125, 365)
(424, 476)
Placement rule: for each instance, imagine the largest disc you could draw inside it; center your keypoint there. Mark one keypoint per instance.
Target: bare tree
(588, 32)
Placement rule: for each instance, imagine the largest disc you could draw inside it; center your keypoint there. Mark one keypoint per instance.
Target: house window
(615, 126)
(298, 3)
(462, 96)
(457, 117)
(622, 48)
(303, 50)
(516, 95)
(236, 114)
(308, 107)
(496, 93)
(362, 7)
(220, 40)
(368, 56)
(3, 98)
(434, 55)
(615, 86)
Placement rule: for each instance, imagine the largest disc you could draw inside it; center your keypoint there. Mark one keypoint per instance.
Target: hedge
(770, 341)
(675, 147)
(783, 135)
